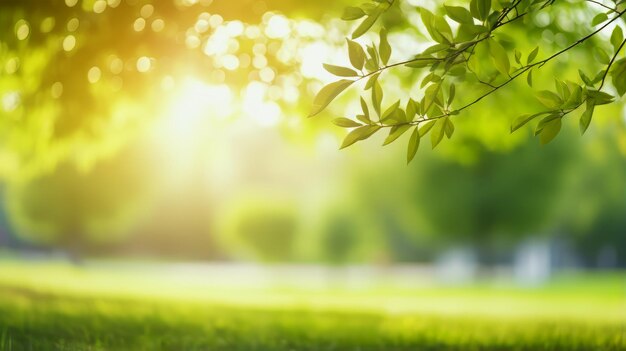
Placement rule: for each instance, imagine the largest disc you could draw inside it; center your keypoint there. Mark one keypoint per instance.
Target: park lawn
(92, 309)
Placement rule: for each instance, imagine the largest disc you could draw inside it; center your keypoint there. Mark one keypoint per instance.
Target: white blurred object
(457, 266)
(533, 262)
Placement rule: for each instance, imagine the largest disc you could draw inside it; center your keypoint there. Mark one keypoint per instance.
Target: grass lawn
(60, 307)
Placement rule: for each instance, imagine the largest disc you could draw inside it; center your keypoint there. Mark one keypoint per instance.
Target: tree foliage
(469, 46)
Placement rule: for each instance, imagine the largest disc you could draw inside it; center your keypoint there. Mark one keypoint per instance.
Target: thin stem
(603, 5)
(417, 59)
(606, 72)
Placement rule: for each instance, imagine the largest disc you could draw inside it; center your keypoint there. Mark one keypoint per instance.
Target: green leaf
(617, 37)
(500, 57)
(431, 96)
(599, 18)
(438, 131)
(352, 13)
(366, 110)
(420, 62)
(601, 55)
(367, 23)
(346, 123)
(451, 93)
(449, 127)
(390, 110)
(370, 82)
(414, 144)
(529, 78)
(436, 26)
(364, 119)
(520, 121)
(431, 77)
(373, 60)
(518, 56)
(384, 48)
(369, 7)
(549, 99)
(480, 9)
(469, 31)
(599, 97)
(327, 94)
(411, 110)
(459, 14)
(618, 74)
(585, 118)
(575, 97)
(532, 56)
(395, 133)
(340, 71)
(552, 115)
(358, 134)
(550, 130)
(484, 8)
(427, 127)
(377, 97)
(434, 49)
(585, 79)
(598, 77)
(356, 54)
(561, 89)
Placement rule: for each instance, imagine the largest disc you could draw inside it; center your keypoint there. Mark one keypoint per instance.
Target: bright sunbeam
(191, 121)
(196, 99)
(262, 112)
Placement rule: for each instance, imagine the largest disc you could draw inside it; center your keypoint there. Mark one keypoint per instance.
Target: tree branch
(606, 72)
(521, 71)
(614, 10)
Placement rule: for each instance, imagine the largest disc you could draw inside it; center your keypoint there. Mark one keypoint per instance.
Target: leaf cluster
(472, 52)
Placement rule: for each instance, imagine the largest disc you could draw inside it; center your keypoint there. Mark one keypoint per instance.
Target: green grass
(59, 307)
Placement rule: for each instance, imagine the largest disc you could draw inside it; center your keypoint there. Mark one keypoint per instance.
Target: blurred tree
(595, 216)
(82, 211)
(489, 202)
(253, 228)
(340, 238)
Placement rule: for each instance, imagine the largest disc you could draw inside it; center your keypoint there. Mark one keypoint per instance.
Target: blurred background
(175, 131)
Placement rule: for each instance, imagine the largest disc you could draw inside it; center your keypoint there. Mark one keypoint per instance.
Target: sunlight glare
(197, 100)
(264, 113)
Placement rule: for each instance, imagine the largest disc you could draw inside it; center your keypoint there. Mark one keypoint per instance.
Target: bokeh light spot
(56, 90)
(267, 74)
(144, 64)
(157, 25)
(277, 27)
(230, 62)
(139, 24)
(192, 41)
(11, 101)
(116, 65)
(202, 25)
(94, 74)
(12, 65)
(99, 6)
(146, 10)
(72, 24)
(22, 30)
(47, 24)
(69, 42)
